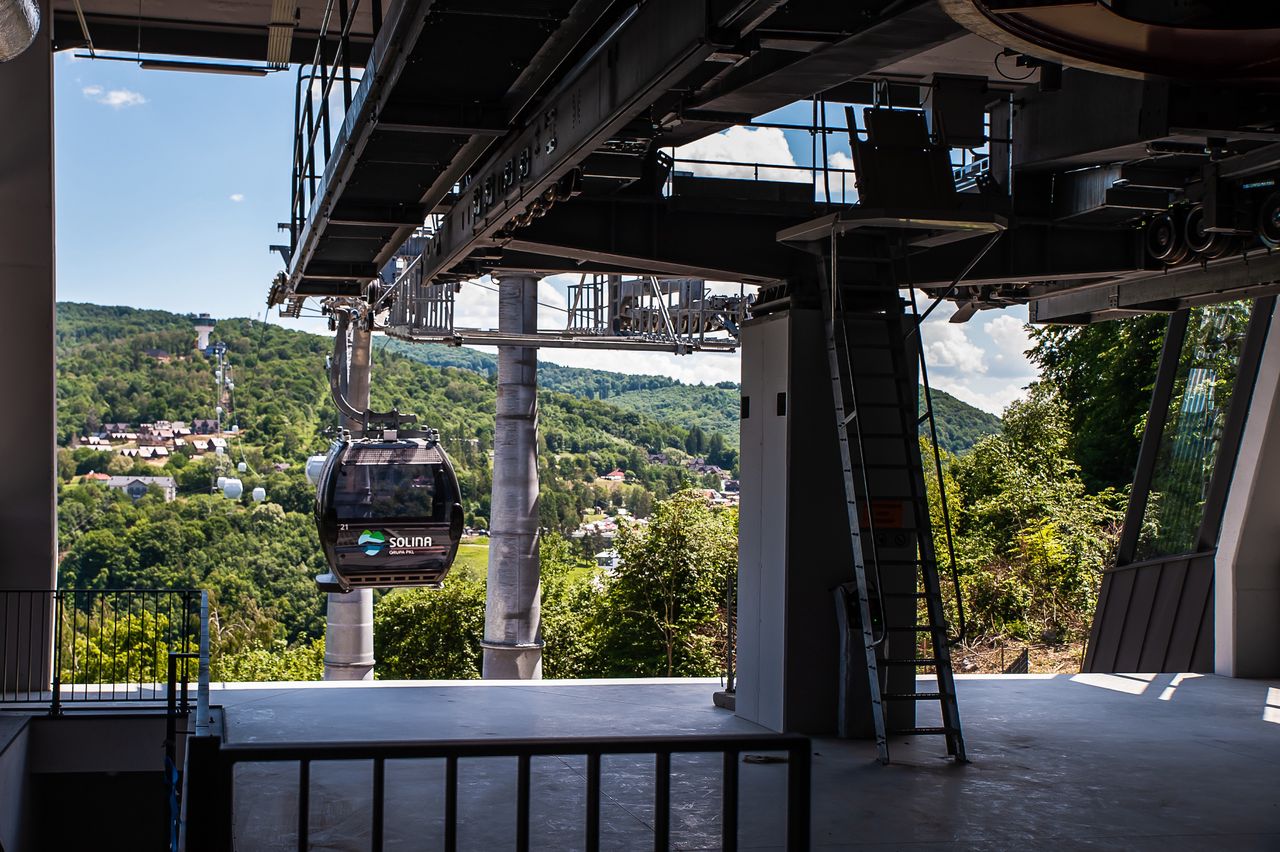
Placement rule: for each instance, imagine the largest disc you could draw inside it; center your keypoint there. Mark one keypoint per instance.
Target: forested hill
(117, 365)
(281, 398)
(713, 408)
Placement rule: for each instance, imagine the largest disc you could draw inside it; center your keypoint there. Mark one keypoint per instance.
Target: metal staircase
(884, 374)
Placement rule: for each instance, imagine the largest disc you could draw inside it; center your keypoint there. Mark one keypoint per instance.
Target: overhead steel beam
(697, 238)
(477, 120)
(1033, 253)
(1222, 280)
(771, 79)
(208, 39)
(398, 41)
(377, 215)
(386, 62)
(652, 49)
(339, 271)
(548, 340)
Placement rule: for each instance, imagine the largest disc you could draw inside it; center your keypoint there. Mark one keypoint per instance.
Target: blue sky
(170, 185)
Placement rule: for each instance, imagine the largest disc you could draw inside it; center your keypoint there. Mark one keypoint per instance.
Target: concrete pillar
(794, 545)
(28, 493)
(1247, 564)
(348, 641)
(512, 616)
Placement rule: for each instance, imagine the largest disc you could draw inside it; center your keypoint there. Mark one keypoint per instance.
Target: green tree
(1031, 540)
(1103, 375)
(430, 634)
(664, 611)
(572, 601)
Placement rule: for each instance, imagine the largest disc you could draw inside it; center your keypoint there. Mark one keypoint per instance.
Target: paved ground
(1141, 762)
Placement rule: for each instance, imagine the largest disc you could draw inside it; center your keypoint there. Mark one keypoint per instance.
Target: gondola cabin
(388, 514)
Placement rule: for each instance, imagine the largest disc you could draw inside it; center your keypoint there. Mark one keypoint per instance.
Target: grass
(473, 558)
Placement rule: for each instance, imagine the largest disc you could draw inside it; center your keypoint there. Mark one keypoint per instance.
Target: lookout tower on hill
(204, 325)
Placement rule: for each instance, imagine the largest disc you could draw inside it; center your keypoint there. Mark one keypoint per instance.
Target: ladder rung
(911, 661)
(904, 731)
(911, 696)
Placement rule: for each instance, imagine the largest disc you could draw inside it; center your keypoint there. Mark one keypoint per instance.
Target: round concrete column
(348, 637)
(512, 617)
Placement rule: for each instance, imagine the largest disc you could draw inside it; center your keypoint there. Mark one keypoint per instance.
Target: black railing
(90, 645)
(330, 65)
(211, 765)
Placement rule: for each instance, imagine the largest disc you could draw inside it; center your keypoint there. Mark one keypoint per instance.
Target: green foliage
(436, 634)
(573, 611)
(304, 661)
(665, 603)
(253, 558)
(1031, 541)
(109, 646)
(430, 634)
(960, 425)
(1103, 375)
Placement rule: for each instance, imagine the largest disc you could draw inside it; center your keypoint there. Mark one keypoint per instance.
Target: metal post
(512, 619)
(348, 640)
(202, 687)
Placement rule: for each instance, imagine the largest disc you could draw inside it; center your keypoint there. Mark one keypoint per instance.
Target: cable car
(388, 511)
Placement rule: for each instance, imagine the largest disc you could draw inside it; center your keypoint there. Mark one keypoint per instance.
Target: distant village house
(137, 486)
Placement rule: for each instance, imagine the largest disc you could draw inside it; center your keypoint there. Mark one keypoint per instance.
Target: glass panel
(385, 491)
(1202, 392)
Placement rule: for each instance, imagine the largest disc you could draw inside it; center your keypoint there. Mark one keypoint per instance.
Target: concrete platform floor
(1087, 762)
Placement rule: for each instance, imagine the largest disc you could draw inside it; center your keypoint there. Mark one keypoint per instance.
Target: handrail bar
(211, 780)
(259, 752)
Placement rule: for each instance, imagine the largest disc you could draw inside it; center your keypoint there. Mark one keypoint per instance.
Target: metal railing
(90, 645)
(330, 65)
(211, 765)
(745, 170)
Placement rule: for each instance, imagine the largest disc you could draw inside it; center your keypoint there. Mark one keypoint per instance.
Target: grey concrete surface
(1088, 762)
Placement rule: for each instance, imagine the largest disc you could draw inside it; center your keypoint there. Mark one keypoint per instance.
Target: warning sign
(885, 514)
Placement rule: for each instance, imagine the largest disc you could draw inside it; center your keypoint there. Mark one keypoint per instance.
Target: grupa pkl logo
(372, 541)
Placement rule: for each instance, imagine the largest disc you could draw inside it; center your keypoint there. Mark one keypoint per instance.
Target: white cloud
(840, 179)
(1011, 342)
(993, 399)
(114, 98)
(948, 346)
(758, 148)
(237, 197)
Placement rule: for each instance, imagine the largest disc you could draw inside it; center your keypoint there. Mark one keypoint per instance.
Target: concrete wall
(1247, 567)
(28, 528)
(15, 796)
(28, 507)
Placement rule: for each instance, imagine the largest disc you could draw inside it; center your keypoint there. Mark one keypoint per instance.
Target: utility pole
(512, 616)
(348, 640)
